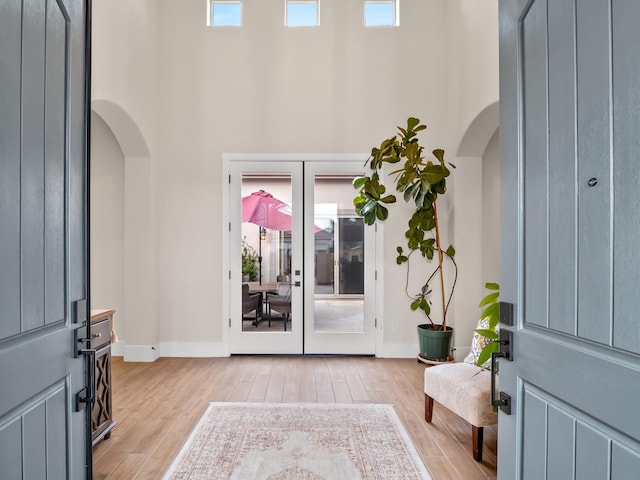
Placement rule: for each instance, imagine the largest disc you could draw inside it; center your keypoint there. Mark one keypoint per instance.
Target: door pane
(339, 256)
(266, 252)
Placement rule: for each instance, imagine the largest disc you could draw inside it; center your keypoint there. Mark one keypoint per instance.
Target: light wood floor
(157, 404)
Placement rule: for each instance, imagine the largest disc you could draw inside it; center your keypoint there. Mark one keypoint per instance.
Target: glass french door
(266, 257)
(302, 263)
(339, 264)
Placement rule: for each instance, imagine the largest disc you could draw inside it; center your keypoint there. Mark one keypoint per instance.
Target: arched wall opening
(107, 221)
(477, 220)
(123, 262)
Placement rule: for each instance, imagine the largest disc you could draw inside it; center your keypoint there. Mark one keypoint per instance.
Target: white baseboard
(410, 350)
(117, 349)
(399, 350)
(193, 349)
(140, 353)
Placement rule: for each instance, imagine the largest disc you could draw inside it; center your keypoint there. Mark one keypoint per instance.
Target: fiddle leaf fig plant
(420, 181)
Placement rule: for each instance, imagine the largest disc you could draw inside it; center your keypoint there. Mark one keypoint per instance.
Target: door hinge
(229, 322)
(375, 323)
(229, 274)
(375, 275)
(229, 179)
(229, 226)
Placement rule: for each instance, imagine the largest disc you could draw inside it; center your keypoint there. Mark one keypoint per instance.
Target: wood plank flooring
(157, 404)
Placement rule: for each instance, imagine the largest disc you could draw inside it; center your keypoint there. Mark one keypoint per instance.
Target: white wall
(107, 221)
(198, 92)
(472, 69)
(491, 210)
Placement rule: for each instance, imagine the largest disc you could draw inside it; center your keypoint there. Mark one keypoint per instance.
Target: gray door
(43, 254)
(570, 95)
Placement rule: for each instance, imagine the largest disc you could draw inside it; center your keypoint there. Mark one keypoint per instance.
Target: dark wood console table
(102, 414)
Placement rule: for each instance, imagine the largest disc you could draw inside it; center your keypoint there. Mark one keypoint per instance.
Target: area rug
(262, 441)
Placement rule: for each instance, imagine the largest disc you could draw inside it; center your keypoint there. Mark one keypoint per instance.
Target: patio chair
(251, 302)
(281, 303)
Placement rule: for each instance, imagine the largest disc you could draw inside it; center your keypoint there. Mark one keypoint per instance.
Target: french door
(339, 255)
(301, 261)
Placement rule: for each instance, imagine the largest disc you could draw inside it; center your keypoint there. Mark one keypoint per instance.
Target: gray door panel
(43, 267)
(570, 111)
(560, 435)
(562, 170)
(10, 171)
(594, 161)
(626, 180)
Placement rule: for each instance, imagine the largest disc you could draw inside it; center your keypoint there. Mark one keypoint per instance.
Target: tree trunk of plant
(444, 304)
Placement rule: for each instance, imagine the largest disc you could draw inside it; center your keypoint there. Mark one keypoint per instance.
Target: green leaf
(490, 334)
(408, 193)
(369, 218)
(399, 250)
(439, 154)
(433, 174)
(491, 311)
(369, 206)
(400, 259)
(388, 199)
(412, 123)
(415, 304)
(491, 286)
(358, 182)
(424, 306)
(382, 212)
(491, 298)
(450, 251)
(485, 354)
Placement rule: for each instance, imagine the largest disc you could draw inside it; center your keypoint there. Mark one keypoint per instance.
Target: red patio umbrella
(266, 211)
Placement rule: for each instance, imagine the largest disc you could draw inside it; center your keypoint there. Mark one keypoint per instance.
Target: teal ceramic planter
(435, 344)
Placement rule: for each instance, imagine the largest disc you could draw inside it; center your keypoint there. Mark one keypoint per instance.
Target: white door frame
(227, 160)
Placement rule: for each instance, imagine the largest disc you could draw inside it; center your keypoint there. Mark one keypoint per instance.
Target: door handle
(502, 400)
(81, 396)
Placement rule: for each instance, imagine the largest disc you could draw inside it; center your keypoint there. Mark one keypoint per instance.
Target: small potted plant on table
(421, 182)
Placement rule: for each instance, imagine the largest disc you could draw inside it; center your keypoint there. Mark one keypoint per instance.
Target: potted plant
(421, 182)
(249, 262)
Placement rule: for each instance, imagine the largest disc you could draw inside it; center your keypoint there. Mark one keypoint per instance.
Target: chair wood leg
(428, 408)
(477, 435)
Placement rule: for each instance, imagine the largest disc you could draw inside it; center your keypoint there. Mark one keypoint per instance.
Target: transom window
(381, 13)
(302, 13)
(225, 13)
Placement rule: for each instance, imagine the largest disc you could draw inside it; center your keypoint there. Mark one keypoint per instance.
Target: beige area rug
(287, 441)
